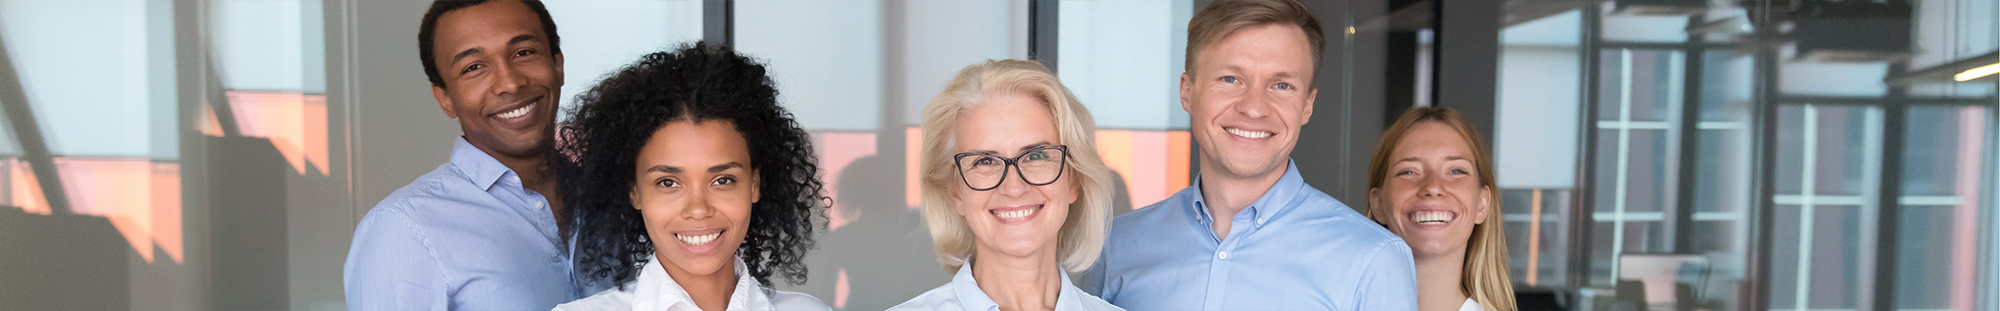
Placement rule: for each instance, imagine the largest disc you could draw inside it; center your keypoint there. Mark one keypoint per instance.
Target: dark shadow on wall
(885, 252)
(247, 225)
(62, 262)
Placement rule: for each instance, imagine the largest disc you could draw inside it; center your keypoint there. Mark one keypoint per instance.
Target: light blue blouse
(963, 294)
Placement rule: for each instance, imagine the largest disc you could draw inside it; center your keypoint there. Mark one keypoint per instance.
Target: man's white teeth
(517, 112)
(1015, 214)
(1249, 134)
(699, 239)
(1432, 217)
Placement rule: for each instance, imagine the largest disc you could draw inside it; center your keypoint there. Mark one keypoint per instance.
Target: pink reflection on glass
(836, 151)
(140, 198)
(294, 122)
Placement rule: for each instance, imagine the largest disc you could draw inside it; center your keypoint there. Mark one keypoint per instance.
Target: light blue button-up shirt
(1294, 249)
(466, 236)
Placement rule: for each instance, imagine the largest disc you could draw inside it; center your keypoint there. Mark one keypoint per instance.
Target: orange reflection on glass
(1154, 164)
(24, 190)
(294, 122)
(140, 198)
(836, 151)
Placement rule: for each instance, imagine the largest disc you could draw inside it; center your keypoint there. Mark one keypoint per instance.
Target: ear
(1374, 197)
(1485, 204)
(756, 186)
(1310, 97)
(1187, 89)
(634, 196)
(444, 101)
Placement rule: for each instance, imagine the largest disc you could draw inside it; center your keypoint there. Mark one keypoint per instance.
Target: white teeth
(1432, 217)
(1249, 134)
(517, 112)
(699, 239)
(1015, 214)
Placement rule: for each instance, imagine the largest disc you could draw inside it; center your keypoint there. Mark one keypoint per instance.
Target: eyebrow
(724, 167)
(1023, 148)
(677, 170)
(1447, 158)
(469, 52)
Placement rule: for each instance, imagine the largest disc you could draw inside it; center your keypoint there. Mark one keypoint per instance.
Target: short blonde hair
(1225, 17)
(1082, 233)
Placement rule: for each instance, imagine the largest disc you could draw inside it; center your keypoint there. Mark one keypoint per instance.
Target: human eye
(1406, 172)
(1459, 171)
(470, 68)
(667, 183)
(986, 161)
(524, 53)
(1229, 79)
(724, 181)
(1283, 86)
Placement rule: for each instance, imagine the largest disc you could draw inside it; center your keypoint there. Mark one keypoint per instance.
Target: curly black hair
(697, 82)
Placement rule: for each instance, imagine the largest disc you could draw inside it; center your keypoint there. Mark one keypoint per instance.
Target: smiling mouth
(698, 240)
(1432, 217)
(1247, 134)
(517, 112)
(1018, 214)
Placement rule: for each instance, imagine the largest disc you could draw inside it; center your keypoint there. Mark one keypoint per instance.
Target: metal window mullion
(1888, 213)
(1579, 222)
(1807, 191)
(1690, 141)
(1757, 270)
(1624, 161)
(1043, 22)
(718, 21)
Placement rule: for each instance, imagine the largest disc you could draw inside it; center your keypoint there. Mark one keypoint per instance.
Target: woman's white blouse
(654, 290)
(1470, 306)
(963, 294)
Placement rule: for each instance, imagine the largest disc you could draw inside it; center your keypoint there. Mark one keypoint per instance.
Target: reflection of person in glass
(1432, 183)
(1014, 191)
(483, 231)
(1250, 234)
(697, 186)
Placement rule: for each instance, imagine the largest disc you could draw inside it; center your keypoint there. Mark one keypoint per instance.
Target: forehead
(1006, 122)
(1432, 139)
(1272, 43)
(686, 141)
(491, 23)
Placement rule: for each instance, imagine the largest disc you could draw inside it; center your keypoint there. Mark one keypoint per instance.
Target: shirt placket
(1219, 261)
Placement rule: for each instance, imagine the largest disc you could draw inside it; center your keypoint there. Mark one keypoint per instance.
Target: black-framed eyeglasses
(1039, 167)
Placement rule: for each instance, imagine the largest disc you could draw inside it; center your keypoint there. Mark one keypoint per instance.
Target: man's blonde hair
(1225, 17)
(1082, 233)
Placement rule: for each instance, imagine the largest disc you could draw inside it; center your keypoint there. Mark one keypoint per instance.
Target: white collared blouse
(963, 294)
(655, 290)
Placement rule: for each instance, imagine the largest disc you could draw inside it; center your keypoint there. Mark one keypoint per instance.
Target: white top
(655, 290)
(1470, 306)
(963, 294)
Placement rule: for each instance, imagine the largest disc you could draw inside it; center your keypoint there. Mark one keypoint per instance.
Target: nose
(1255, 104)
(1013, 185)
(510, 81)
(1430, 187)
(698, 207)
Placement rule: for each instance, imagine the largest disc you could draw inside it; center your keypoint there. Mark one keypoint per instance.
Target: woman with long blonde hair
(1431, 182)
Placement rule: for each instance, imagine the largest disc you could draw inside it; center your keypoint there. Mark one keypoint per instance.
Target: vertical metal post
(1895, 122)
(717, 21)
(1580, 219)
(1042, 36)
(1681, 222)
(1756, 288)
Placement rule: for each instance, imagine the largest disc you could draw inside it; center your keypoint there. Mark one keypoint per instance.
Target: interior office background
(1676, 155)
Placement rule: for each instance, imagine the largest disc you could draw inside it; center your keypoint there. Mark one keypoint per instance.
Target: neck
(1018, 283)
(709, 292)
(1438, 279)
(1226, 194)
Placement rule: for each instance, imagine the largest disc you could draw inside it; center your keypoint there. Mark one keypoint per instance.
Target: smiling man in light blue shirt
(483, 231)
(1250, 234)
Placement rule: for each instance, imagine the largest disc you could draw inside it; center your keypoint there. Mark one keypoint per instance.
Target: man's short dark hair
(428, 31)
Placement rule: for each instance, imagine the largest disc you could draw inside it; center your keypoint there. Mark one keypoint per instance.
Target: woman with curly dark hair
(692, 188)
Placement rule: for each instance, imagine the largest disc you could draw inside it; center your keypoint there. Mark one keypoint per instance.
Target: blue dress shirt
(1295, 248)
(465, 236)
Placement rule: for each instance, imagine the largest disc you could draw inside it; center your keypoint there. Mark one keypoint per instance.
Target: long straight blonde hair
(1485, 276)
(1082, 233)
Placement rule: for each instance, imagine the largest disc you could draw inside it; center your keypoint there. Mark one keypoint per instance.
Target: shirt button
(1260, 220)
(1222, 254)
(540, 205)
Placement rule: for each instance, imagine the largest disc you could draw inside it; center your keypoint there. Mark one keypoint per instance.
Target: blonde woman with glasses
(1432, 183)
(1014, 191)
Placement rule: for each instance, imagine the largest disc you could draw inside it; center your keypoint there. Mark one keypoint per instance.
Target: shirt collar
(970, 298)
(475, 164)
(655, 290)
(1276, 200)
